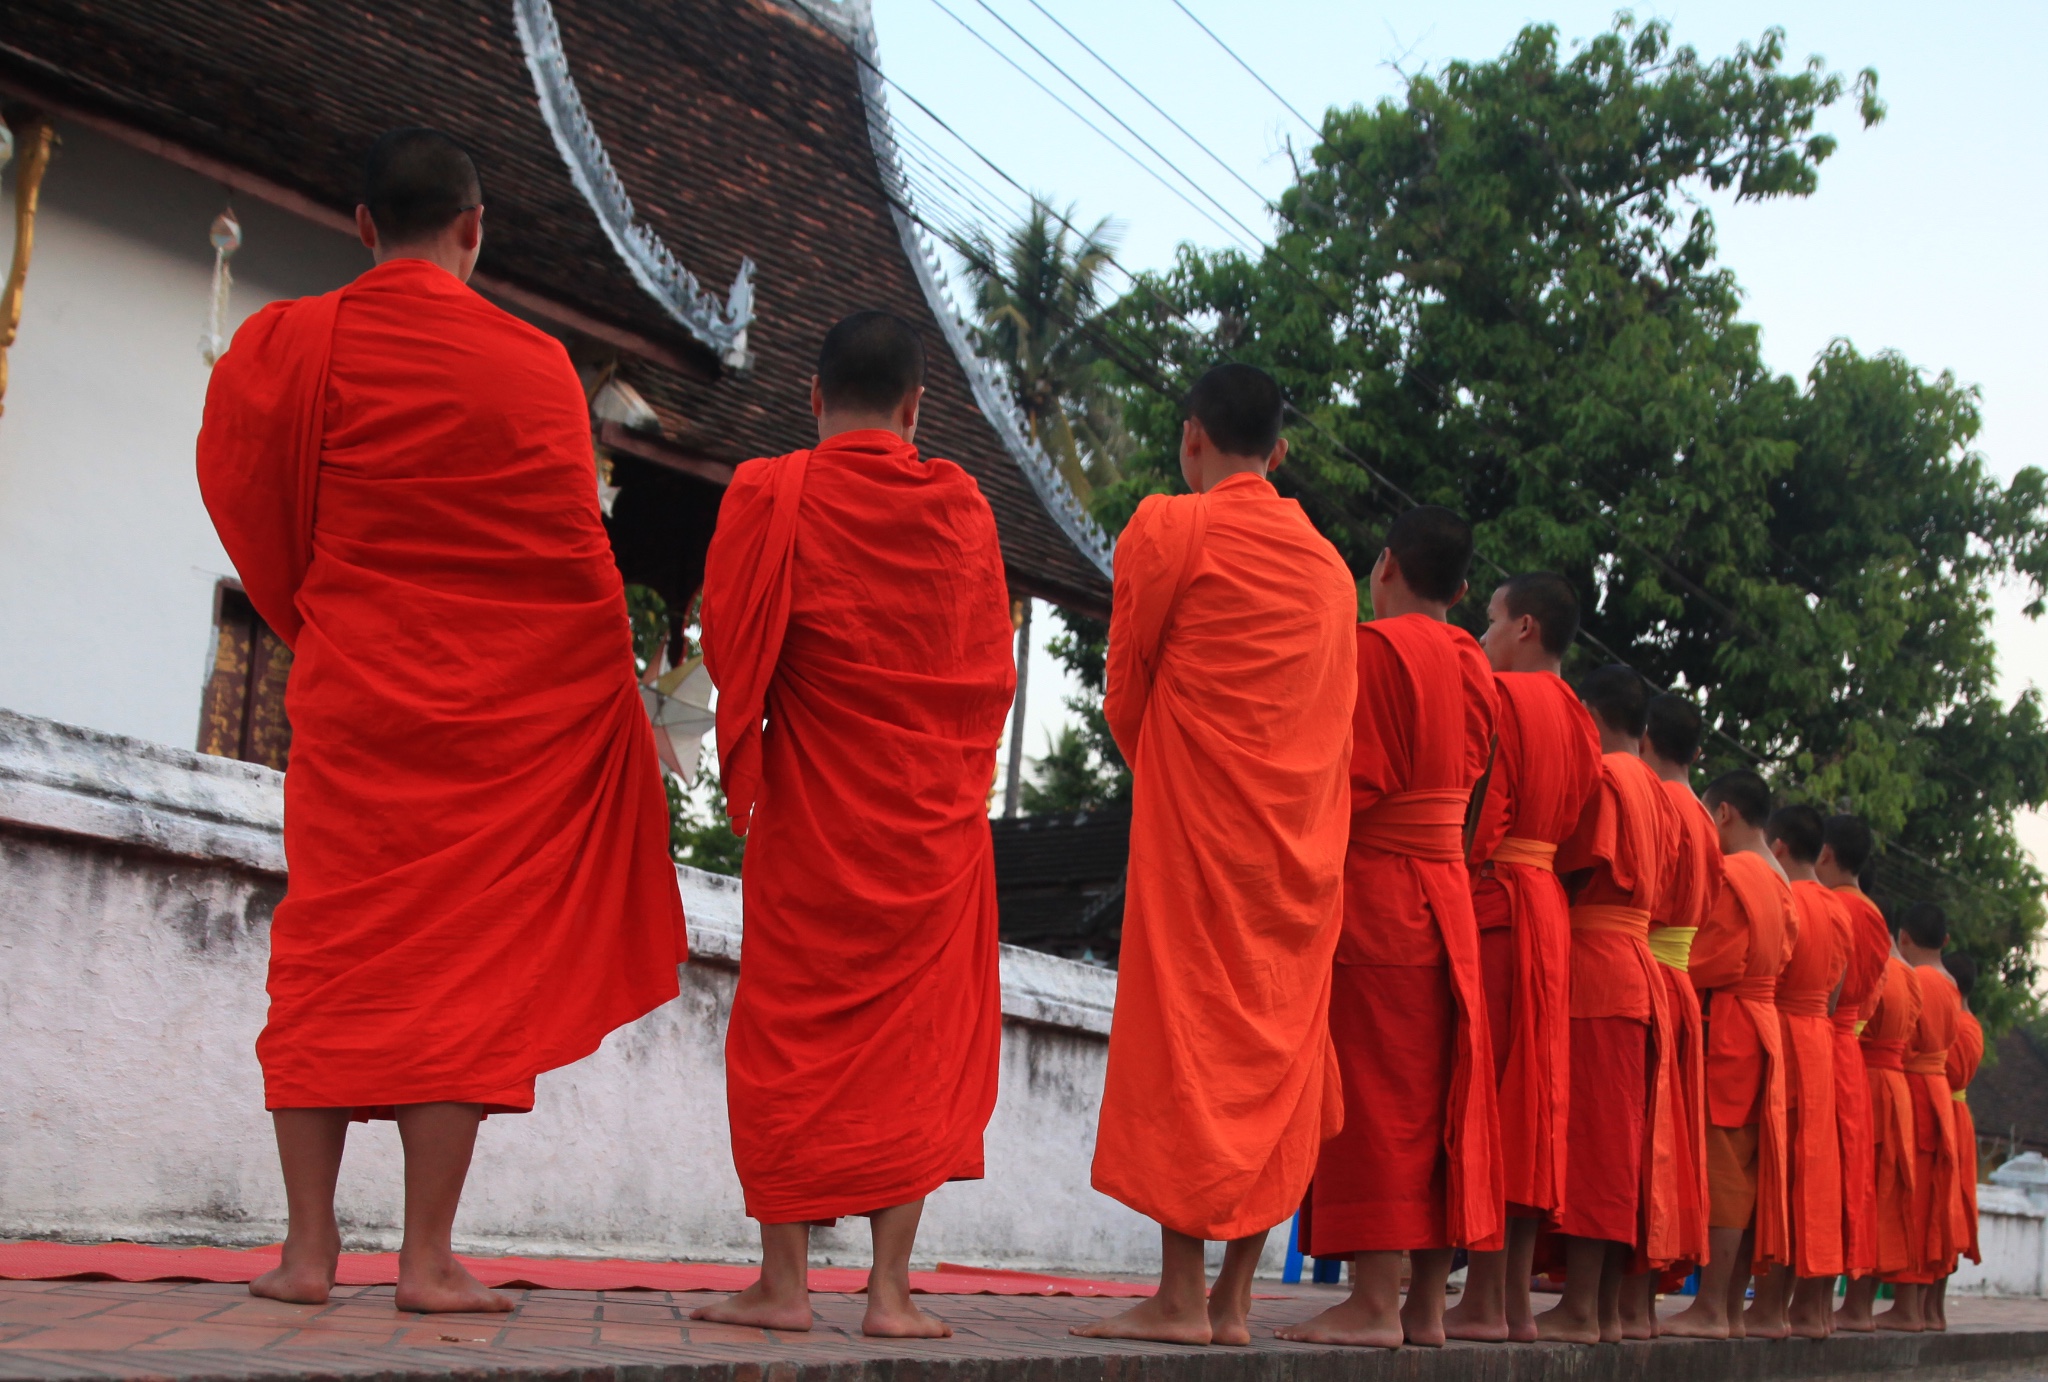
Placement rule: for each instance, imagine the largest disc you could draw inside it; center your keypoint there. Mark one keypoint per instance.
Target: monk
(1741, 948)
(1845, 851)
(1893, 1017)
(1930, 1215)
(1545, 769)
(854, 599)
(1617, 867)
(480, 880)
(1799, 1296)
(1671, 744)
(1231, 679)
(1416, 1168)
(1963, 1060)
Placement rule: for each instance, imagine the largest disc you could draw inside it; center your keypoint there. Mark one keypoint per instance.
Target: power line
(1313, 128)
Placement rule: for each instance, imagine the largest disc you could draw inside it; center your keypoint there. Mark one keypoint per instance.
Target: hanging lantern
(226, 237)
(679, 703)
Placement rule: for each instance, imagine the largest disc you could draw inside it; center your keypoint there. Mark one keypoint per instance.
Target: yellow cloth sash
(1958, 1096)
(1672, 945)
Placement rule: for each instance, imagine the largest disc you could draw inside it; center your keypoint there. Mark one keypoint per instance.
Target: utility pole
(1013, 788)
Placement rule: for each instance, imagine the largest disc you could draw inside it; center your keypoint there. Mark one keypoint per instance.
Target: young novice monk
(1416, 1167)
(1232, 677)
(1963, 1059)
(1736, 959)
(1806, 990)
(854, 599)
(1931, 1221)
(1891, 1017)
(1544, 771)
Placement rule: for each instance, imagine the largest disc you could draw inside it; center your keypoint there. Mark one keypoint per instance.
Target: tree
(1500, 293)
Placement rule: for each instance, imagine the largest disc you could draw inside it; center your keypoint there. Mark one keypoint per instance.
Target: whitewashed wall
(136, 884)
(2012, 1233)
(107, 560)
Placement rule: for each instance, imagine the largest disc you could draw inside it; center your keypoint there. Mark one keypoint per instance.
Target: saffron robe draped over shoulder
(480, 883)
(1231, 677)
(1417, 1164)
(1894, 1016)
(1932, 1226)
(1963, 1059)
(1545, 767)
(1736, 960)
(1813, 1155)
(1695, 888)
(854, 600)
(1870, 945)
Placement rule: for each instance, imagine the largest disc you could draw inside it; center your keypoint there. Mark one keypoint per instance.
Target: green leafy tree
(1501, 293)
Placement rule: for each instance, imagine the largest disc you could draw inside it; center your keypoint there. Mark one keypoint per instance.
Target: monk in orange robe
(854, 599)
(1545, 769)
(1930, 1218)
(1963, 1059)
(1671, 744)
(1617, 867)
(480, 881)
(1742, 947)
(1894, 1015)
(1799, 1297)
(1231, 680)
(1845, 851)
(1416, 1168)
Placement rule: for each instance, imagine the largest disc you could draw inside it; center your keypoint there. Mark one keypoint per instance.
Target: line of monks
(1418, 942)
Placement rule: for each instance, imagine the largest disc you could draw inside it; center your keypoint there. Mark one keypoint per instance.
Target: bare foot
(761, 1308)
(1422, 1327)
(900, 1322)
(1854, 1323)
(1810, 1321)
(1558, 1326)
(1466, 1321)
(1634, 1327)
(1227, 1323)
(1347, 1322)
(1693, 1322)
(1764, 1326)
(438, 1285)
(1151, 1320)
(299, 1284)
(1898, 1322)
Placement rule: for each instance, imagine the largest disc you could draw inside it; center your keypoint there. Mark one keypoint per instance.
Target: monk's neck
(1614, 741)
(1835, 878)
(1796, 872)
(1394, 603)
(1920, 957)
(1667, 770)
(1760, 849)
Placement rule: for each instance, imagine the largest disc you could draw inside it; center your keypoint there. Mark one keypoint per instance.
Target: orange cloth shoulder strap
(1198, 532)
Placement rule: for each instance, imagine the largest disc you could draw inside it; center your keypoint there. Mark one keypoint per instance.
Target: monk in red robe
(1799, 1297)
(1845, 850)
(1963, 1059)
(854, 599)
(1671, 744)
(1232, 674)
(1930, 1217)
(1545, 769)
(480, 881)
(1736, 959)
(1416, 1168)
(1617, 867)
(1893, 1016)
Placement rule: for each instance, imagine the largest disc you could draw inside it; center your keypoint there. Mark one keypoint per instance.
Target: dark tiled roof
(738, 127)
(1059, 881)
(2009, 1096)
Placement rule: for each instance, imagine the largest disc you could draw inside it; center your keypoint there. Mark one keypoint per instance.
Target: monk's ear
(1464, 588)
(366, 229)
(1279, 454)
(817, 398)
(906, 411)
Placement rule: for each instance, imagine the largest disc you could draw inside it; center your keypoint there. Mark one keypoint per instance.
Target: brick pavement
(190, 1332)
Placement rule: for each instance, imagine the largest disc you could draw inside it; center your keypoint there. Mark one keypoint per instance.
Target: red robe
(854, 597)
(1736, 960)
(1820, 959)
(480, 880)
(1545, 767)
(1618, 866)
(1894, 1014)
(1963, 1059)
(1232, 673)
(1931, 1227)
(1870, 945)
(1696, 886)
(1417, 1164)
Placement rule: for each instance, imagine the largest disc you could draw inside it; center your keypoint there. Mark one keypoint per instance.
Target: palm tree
(1036, 288)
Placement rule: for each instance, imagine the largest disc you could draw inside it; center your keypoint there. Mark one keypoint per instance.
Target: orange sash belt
(1428, 824)
(1600, 916)
(1922, 1063)
(1520, 849)
(1884, 1055)
(1803, 1004)
(1759, 988)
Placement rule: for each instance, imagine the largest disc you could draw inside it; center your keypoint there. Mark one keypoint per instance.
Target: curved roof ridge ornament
(853, 20)
(653, 265)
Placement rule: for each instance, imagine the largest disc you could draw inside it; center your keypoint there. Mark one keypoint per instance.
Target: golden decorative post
(33, 136)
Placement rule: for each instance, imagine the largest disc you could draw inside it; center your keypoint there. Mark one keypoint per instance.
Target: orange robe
(1870, 945)
(1932, 1225)
(1736, 959)
(854, 598)
(1813, 1151)
(480, 881)
(1232, 675)
(1894, 1014)
(1545, 767)
(1696, 885)
(1417, 1164)
(1618, 865)
(1963, 1059)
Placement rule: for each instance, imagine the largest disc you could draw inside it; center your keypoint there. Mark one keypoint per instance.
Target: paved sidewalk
(195, 1332)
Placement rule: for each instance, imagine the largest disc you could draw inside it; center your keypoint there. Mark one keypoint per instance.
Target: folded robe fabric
(1696, 886)
(1894, 1015)
(1231, 678)
(1813, 1154)
(474, 817)
(1963, 1060)
(1932, 1226)
(1546, 765)
(1870, 945)
(1421, 740)
(854, 601)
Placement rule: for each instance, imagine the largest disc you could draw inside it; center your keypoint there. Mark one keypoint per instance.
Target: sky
(1924, 237)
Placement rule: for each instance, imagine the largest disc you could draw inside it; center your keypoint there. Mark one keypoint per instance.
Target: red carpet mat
(142, 1262)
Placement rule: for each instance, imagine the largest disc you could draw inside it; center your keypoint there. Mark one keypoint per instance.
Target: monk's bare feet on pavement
(1469, 1320)
(1160, 1321)
(305, 1275)
(1351, 1322)
(1559, 1325)
(901, 1320)
(1697, 1321)
(435, 1283)
(1812, 1314)
(761, 1307)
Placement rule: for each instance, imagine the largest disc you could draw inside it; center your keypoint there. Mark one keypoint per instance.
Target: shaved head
(1618, 697)
(870, 363)
(415, 183)
(1746, 793)
(1547, 598)
(1799, 829)
(1434, 549)
(1851, 841)
(1674, 727)
(1239, 406)
(1926, 925)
